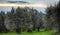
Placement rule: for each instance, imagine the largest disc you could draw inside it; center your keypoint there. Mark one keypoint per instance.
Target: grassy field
(42, 32)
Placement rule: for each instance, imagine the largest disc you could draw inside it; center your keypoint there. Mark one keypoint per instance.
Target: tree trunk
(34, 28)
(38, 29)
(29, 30)
(18, 30)
(59, 29)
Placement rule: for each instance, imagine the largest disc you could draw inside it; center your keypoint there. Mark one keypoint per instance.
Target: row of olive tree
(20, 19)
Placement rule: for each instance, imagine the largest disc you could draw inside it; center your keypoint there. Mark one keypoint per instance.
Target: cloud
(18, 2)
(49, 1)
(26, 5)
(32, 3)
(36, 1)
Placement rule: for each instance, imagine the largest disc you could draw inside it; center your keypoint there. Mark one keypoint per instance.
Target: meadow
(42, 32)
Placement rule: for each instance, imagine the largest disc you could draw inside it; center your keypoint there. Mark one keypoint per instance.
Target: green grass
(55, 33)
(42, 32)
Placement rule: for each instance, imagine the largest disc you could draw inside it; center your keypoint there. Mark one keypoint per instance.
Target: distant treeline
(20, 19)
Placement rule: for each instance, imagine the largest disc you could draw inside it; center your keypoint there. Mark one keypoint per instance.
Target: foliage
(54, 16)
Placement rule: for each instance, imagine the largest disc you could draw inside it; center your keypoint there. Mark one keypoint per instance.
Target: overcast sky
(35, 1)
(38, 4)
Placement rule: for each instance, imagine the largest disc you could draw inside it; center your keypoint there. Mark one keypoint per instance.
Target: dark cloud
(11, 1)
(33, 1)
(23, 2)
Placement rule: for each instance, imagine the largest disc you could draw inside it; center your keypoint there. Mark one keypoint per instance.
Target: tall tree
(2, 19)
(54, 13)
